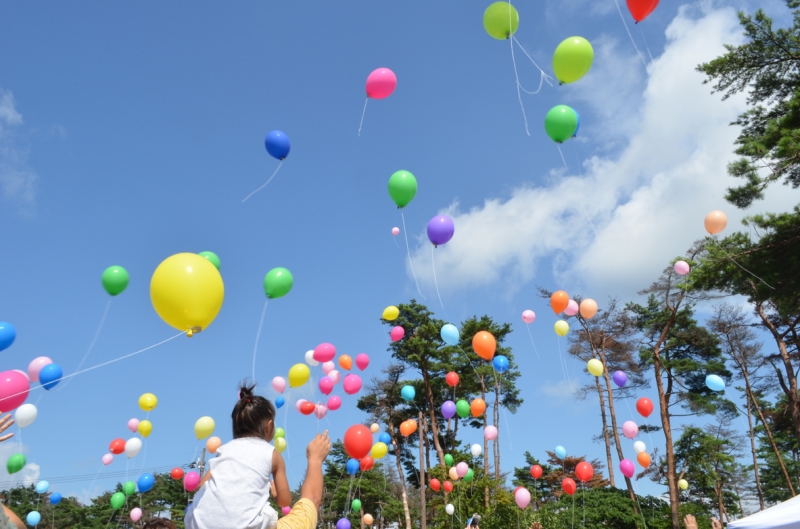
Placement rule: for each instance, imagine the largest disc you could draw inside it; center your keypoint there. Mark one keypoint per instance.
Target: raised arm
(282, 491)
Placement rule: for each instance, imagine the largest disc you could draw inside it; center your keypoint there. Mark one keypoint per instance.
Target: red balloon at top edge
(176, 473)
(117, 446)
(584, 471)
(644, 406)
(358, 441)
(568, 485)
(536, 471)
(641, 8)
(451, 378)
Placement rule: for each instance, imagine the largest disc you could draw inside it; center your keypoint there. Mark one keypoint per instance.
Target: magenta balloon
(326, 385)
(14, 389)
(133, 425)
(191, 480)
(334, 402)
(286, 510)
(440, 229)
(324, 352)
(528, 316)
(23, 373)
(627, 468)
(352, 384)
(35, 366)
(397, 333)
(572, 308)
(279, 384)
(381, 83)
(448, 409)
(630, 430)
(362, 361)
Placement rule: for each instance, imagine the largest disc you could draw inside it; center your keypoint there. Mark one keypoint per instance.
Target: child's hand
(318, 448)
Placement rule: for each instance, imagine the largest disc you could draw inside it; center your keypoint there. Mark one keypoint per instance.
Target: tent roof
(785, 515)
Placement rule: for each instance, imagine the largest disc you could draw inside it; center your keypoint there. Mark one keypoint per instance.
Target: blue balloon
(7, 335)
(277, 144)
(42, 487)
(343, 523)
(385, 438)
(500, 363)
(55, 498)
(450, 334)
(146, 482)
(575, 134)
(279, 402)
(715, 383)
(34, 518)
(353, 466)
(50, 375)
(561, 452)
(408, 393)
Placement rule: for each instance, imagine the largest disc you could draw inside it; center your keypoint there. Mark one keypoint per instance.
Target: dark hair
(251, 414)
(160, 523)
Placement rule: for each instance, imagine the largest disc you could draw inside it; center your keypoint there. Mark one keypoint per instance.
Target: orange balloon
(346, 362)
(715, 222)
(477, 407)
(408, 427)
(559, 301)
(212, 444)
(367, 519)
(484, 344)
(644, 459)
(588, 308)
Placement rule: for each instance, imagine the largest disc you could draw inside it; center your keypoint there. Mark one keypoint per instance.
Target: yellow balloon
(279, 443)
(148, 402)
(391, 313)
(187, 291)
(561, 327)
(379, 450)
(595, 367)
(683, 484)
(453, 474)
(204, 427)
(298, 375)
(144, 428)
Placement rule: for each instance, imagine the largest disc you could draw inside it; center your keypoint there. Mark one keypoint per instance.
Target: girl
(235, 491)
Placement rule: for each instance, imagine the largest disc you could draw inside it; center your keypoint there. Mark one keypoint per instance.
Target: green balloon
(129, 488)
(470, 475)
(561, 123)
(117, 500)
(462, 408)
(280, 433)
(402, 188)
(448, 460)
(278, 282)
(115, 280)
(501, 20)
(15, 463)
(356, 505)
(572, 59)
(211, 256)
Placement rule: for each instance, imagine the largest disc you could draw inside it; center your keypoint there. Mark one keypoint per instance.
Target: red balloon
(358, 441)
(448, 486)
(536, 471)
(644, 406)
(641, 8)
(451, 379)
(176, 473)
(568, 485)
(435, 485)
(117, 446)
(307, 408)
(584, 471)
(366, 463)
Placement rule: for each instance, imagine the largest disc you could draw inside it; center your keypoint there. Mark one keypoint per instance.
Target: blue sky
(128, 134)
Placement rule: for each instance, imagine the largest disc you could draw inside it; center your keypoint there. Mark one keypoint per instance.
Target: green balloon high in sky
(115, 280)
(561, 123)
(278, 282)
(501, 20)
(402, 188)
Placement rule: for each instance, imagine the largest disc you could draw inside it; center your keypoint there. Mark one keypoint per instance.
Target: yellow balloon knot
(192, 331)
(189, 333)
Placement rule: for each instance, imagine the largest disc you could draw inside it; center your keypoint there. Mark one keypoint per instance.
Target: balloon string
(580, 173)
(562, 155)
(533, 344)
(562, 361)
(265, 183)
(366, 100)
(94, 340)
(435, 282)
(645, 43)
(543, 77)
(740, 266)
(516, 75)
(258, 336)
(405, 234)
(638, 53)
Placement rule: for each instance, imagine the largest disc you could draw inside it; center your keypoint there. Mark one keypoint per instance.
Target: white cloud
(560, 390)
(646, 203)
(17, 180)
(8, 110)
(29, 473)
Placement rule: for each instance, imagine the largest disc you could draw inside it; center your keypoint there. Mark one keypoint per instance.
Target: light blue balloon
(55, 498)
(561, 452)
(34, 518)
(408, 393)
(715, 383)
(385, 438)
(42, 487)
(500, 363)
(279, 402)
(450, 334)
(353, 466)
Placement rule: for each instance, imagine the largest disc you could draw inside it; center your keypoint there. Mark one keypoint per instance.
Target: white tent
(785, 515)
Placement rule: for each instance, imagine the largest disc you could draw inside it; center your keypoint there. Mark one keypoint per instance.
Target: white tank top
(237, 495)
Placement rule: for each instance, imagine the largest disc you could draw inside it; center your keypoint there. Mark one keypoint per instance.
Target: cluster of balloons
(561, 303)
(362, 451)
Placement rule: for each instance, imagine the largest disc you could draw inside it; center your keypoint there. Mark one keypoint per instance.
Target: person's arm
(203, 481)
(316, 453)
(282, 491)
(5, 423)
(13, 518)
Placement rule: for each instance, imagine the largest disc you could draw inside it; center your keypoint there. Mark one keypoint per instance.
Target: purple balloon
(440, 229)
(620, 378)
(448, 409)
(343, 523)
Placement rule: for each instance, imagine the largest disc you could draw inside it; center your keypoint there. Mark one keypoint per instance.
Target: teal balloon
(212, 257)
(450, 334)
(278, 282)
(115, 280)
(33, 518)
(561, 123)
(117, 500)
(408, 393)
(129, 488)
(561, 452)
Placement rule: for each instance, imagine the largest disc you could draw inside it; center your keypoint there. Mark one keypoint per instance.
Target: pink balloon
(328, 366)
(381, 83)
(352, 384)
(133, 425)
(627, 468)
(324, 352)
(572, 308)
(191, 480)
(35, 366)
(286, 510)
(326, 385)
(528, 316)
(320, 411)
(334, 403)
(136, 513)
(462, 469)
(362, 361)
(490, 432)
(395, 231)
(14, 389)
(682, 267)
(279, 384)
(23, 373)
(299, 403)
(397, 333)
(523, 497)
(630, 430)
(107, 459)
(335, 376)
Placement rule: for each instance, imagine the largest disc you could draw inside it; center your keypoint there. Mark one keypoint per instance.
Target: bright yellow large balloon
(298, 375)
(144, 428)
(561, 327)
(204, 426)
(379, 450)
(595, 367)
(391, 313)
(148, 402)
(187, 292)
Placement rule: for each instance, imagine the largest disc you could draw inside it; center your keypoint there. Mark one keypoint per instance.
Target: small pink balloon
(326, 385)
(335, 376)
(107, 459)
(334, 403)
(528, 316)
(462, 469)
(627, 468)
(191, 480)
(133, 425)
(328, 366)
(35, 366)
(320, 411)
(22, 373)
(630, 430)
(395, 231)
(279, 384)
(572, 308)
(299, 403)
(286, 510)
(362, 361)
(14, 388)
(136, 513)
(381, 83)
(682, 267)
(490, 432)
(352, 384)
(397, 333)
(522, 497)
(324, 352)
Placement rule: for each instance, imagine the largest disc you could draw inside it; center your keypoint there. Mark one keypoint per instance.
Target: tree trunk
(496, 442)
(755, 457)
(485, 449)
(772, 441)
(434, 423)
(423, 481)
(605, 431)
(663, 402)
(399, 463)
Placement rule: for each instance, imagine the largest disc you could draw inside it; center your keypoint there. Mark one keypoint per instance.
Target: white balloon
(25, 415)
(334, 375)
(133, 446)
(639, 447)
(476, 450)
(449, 509)
(310, 359)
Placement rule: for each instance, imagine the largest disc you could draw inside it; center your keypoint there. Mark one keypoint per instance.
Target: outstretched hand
(715, 524)
(5, 423)
(319, 448)
(536, 525)
(690, 522)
